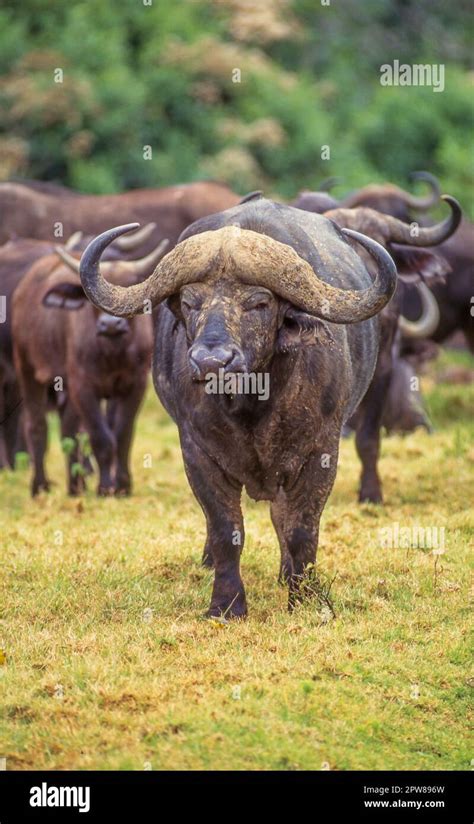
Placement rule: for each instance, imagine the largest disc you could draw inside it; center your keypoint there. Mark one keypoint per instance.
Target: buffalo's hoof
(76, 487)
(236, 608)
(105, 491)
(122, 492)
(39, 486)
(232, 614)
(371, 497)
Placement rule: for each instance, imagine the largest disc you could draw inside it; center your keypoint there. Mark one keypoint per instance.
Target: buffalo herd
(330, 300)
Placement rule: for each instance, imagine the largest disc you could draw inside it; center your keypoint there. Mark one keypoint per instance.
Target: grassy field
(107, 662)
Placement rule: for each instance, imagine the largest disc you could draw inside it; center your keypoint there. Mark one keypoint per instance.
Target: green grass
(110, 665)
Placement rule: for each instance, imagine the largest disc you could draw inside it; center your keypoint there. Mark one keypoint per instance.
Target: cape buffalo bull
(413, 263)
(454, 293)
(60, 340)
(261, 288)
(36, 213)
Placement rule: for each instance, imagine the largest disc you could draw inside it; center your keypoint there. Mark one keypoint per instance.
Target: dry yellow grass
(109, 664)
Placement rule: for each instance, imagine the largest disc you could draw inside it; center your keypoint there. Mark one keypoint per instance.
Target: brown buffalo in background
(49, 213)
(16, 258)
(61, 341)
(454, 292)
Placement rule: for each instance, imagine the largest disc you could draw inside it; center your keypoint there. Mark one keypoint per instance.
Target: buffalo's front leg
(296, 515)
(123, 421)
(219, 498)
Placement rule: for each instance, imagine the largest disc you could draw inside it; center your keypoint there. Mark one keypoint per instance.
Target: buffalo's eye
(191, 302)
(258, 303)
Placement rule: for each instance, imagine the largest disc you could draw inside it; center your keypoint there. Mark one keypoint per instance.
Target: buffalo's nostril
(205, 360)
(111, 326)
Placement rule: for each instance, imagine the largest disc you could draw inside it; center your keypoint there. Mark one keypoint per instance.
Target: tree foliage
(154, 93)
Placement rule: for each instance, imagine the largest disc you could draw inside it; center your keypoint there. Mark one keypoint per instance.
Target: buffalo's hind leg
(122, 424)
(368, 433)
(370, 412)
(219, 498)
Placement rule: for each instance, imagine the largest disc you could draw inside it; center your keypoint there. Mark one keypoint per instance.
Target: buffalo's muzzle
(210, 360)
(110, 326)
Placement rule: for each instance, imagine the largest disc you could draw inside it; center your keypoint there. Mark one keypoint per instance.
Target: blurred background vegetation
(160, 74)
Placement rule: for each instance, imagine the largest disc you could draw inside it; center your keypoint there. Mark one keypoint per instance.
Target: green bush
(161, 76)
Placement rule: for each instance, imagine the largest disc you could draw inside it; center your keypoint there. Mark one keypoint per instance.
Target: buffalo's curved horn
(424, 203)
(134, 239)
(73, 240)
(176, 269)
(251, 258)
(429, 319)
(329, 183)
(259, 259)
(427, 235)
(66, 257)
(139, 268)
(136, 269)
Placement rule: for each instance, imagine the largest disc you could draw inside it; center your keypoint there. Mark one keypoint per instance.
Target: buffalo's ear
(415, 264)
(174, 305)
(70, 296)
(300, 329)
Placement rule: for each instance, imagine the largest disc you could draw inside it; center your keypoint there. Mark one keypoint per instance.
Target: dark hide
(34, 212)
(283, 449)
(57, 333)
